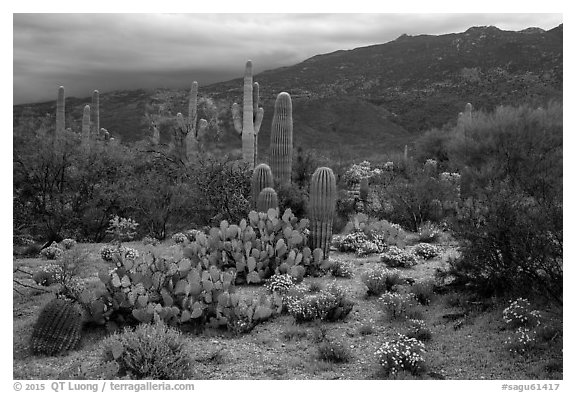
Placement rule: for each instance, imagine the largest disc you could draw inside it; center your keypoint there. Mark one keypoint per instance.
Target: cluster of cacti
(189, 131)
(322, 208)
(261, 179)
(248, 123)
(58, 327)
(267, 199)
(281, 139)
(258, 247)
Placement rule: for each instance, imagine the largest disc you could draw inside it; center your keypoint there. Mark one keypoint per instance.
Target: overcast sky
(107, 52)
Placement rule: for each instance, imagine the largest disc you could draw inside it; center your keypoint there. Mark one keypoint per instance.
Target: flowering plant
(519, 314)
(402, 353)
(381, 280)
(397, 305)
(396, 257)
(426, 251)
(279, 283)
(68, 243)
(179, 238)
(52, 251)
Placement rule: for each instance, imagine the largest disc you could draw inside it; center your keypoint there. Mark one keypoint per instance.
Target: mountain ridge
(401, 88)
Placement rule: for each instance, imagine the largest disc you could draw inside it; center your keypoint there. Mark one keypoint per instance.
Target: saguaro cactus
(281, 139)
(322, 208)
(60, 112)
(261, 178)
(267, 199)
(96, 114)
(86, 128)
(190, 130)
(248, 124)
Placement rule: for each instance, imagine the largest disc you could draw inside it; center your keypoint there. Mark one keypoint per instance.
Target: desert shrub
(341, 268)
(426, 251)
(511, 225)
(397, 305)
(380, 231)
(429, 232)
(149, 240)
(293, 198)
(294, 333)
(361, 244)
(151, 351)
(130, 253)
(519, 313)
(191, 234)
(52, 252)
(423, 291)
(365, 330)
(107, 252)
(333, 352)
(315, 286)
(179, 238)
(330, 304)
(279, 283)
(379, 280)
(396, 257)
(68, 243)
(521, 340)
(417, 329)
(122, 229)
(403, 353)
(48, 274)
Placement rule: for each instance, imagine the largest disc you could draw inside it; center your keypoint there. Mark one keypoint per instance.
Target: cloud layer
(84, 52)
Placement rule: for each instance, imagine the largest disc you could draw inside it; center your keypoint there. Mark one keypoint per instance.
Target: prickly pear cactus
(248, 123)
(281, 139)
(261, 178)
(322, 206)
(58, 327)
(267, 199)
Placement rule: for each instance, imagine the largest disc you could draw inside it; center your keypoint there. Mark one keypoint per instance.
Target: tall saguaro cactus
(60, 112)
(86, 128)
(96, 114)
(191, 129)
(322, 208)
(281, 139)
(261, 178)
(248, 124)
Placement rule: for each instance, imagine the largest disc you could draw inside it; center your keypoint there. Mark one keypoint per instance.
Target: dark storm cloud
(120, 51)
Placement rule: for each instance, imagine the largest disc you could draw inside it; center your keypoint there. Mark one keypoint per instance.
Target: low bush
(330, 304)
(365, 330)
(151, 351)
(396, 257)
(417, 329)
(342, 269)
(52, 252)
(68, 243)
(149, 240)
(179, 238)
(380, 280)
(423, 291)
(397, 305)
(333, 352)
(403, 353)
(520, 314)
(426, 251)
(279, 283)
(429, 232)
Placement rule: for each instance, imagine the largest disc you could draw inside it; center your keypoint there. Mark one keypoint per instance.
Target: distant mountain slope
(369, 99)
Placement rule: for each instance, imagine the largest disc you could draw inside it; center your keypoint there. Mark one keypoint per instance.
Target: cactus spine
(96, 114)
(281, 139)
(322, 207)
(86, 128)
(190, 130)
(248, 125)
(58, 327)
(60, 112)
(267, 199)
(261, 178)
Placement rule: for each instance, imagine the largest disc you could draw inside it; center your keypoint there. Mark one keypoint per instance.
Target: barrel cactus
(58, 327)
(267, 199)
(322, 207)
(248, 124)
(281, 139)
(261, 178)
